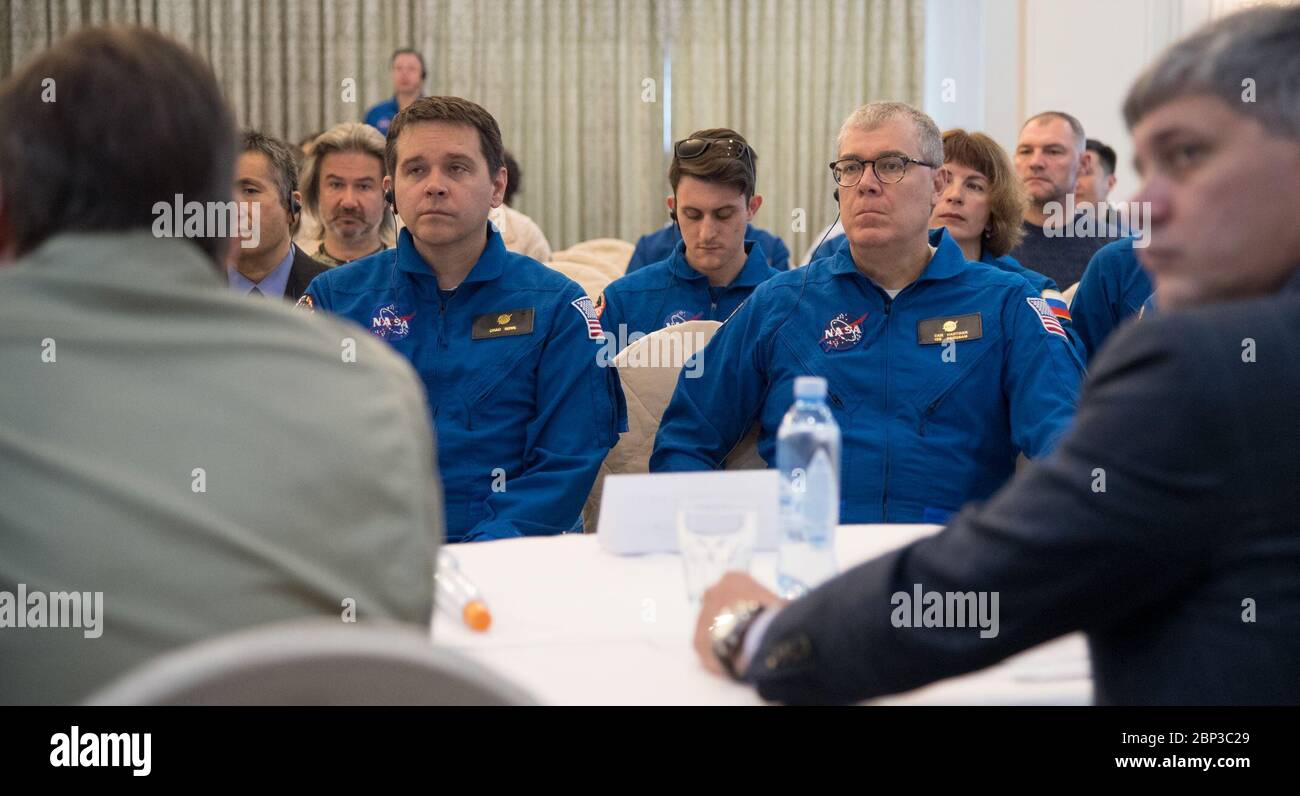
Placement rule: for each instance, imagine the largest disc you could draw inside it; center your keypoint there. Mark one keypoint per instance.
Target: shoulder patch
(305, 302)
(1046, 317)
(1057, 304)
(585, 306)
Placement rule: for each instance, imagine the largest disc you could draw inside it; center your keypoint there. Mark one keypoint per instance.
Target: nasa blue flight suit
(524, 415)
(657, 246)
(935, 391)
(1112, 288)
(670, 292)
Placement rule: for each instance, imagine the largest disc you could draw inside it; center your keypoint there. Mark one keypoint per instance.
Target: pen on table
(457, 595)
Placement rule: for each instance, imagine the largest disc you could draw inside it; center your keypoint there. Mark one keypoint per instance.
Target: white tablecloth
(575, 625)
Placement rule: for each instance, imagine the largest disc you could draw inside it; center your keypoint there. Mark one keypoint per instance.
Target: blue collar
(947, 262)
(489, 266)
(753, 272)
(273, 284)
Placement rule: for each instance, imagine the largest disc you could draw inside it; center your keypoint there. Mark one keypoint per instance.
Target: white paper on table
(638, 512)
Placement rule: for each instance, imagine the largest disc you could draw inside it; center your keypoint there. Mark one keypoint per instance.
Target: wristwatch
(728, 632)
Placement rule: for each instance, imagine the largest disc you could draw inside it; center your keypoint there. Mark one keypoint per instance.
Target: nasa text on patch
(505, 323)
(933, 331)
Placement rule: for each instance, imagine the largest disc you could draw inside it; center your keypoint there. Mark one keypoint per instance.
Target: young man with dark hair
(201, 461)
(519, 232)
(1097, 177)
(408, 73)
(506, 346)
(713, 269)
(267, 174)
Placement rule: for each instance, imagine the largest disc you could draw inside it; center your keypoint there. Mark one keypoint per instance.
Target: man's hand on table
(734, 587)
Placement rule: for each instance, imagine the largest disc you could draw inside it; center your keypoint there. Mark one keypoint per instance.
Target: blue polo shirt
(381, 114)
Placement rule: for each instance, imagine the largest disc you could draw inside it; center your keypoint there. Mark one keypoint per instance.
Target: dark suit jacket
(303, 270)
(1201, 456)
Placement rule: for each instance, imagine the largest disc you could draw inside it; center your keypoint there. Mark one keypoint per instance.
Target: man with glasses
(713, 269)
(940, 371)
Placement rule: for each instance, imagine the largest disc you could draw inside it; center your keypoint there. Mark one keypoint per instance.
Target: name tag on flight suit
(934, 331)
(503, 324)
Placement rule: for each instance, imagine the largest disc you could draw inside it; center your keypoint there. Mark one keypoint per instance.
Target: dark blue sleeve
(580, 412)
(711, 412)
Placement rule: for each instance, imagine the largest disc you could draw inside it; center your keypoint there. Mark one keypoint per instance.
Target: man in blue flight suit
(939, 371)
(713, 269)
(1113, 287)
(505, 346)
(657, 246)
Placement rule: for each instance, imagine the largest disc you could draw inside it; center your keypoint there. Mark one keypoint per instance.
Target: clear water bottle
(808, 458)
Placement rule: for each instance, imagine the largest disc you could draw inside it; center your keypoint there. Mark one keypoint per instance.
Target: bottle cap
(809, 388)
(476, 615)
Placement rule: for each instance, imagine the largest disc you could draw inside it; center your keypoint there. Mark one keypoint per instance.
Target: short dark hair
(137, 118)
(409, 51)
(514, 177)
(715, 164)
(1107, 155)
(1076, 126)
(284, 166)
(456, 111)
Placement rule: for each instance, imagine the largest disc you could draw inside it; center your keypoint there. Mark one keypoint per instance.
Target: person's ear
(1088, 163)
(1110, 183)
(671, 202)
(499, 186)
(755, 202)
(389, 197)
(937, 186)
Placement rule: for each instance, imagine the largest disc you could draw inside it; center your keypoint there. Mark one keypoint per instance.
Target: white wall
(1010, 59)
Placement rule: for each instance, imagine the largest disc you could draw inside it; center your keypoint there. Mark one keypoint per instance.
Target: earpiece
(295, 207)
(388, 197)
(836, 194)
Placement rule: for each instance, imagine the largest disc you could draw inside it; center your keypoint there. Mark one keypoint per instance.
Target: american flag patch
(1046, 316)
(1057, 304)
(588, 310)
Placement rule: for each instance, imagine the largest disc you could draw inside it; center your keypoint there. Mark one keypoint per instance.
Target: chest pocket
(810, 360)
(937, 392)
(507, 384)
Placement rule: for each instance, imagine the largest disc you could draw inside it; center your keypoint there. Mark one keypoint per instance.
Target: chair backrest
(313, 662)
(613, 253)
(592, 278)
(1068, 293)
(648, 369)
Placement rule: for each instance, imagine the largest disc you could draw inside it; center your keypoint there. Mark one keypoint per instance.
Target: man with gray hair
(342, 186)
(934, 365)
(1166, 515)
(1061, 235)
(267, 262)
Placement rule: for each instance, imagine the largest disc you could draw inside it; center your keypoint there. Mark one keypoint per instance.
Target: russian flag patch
(1057, 304)
(1047, 317)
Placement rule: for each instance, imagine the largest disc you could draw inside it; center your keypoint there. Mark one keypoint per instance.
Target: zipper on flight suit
(884, 491)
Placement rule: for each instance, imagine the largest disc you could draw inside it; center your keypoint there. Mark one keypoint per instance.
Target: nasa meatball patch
(842, 332)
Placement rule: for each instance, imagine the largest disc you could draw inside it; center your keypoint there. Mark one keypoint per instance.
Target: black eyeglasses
(889, 169)
(689, 148)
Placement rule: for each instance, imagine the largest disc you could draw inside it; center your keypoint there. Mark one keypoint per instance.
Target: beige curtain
(785, 74)
(577, 85)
